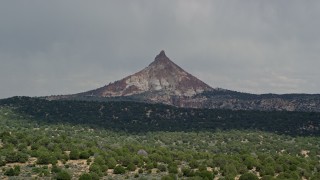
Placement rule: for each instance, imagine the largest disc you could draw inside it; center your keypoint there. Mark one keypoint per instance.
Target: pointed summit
(161, 79)
(163, 62)
(161, 58)
(161, 55)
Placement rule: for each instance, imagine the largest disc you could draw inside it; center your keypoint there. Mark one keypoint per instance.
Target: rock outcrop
(165, 82)
(162, 80)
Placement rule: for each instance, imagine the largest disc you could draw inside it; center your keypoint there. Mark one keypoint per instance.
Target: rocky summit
(161, 81)
(165, 82)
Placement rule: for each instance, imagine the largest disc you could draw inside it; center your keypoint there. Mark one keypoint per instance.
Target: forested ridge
(142, 117)
(42, 139)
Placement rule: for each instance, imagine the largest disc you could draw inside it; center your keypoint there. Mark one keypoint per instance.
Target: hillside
(144, 117)
(71, 139)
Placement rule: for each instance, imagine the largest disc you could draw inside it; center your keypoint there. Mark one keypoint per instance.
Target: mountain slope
(161, 82)
(162, 75)
(165, 82)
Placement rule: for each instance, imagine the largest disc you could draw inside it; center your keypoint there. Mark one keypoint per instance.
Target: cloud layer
(63, 47)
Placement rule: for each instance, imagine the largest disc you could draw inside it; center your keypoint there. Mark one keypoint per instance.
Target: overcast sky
(64, 47)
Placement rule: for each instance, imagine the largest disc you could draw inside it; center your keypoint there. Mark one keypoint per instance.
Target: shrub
(2, 163)
(84, 155)
(169, 177)
(204, 174)
(267, 177)
(287, 175)
(9, 172)
(162, 167)
(119, 170)
(149, 166)
(16, 157)
(55, 169)
(99, 160)
(193, 164)
(46, 159)
(88, 161)
(186, 171)
(173, 169)
(131, 167)
(94, 176)
(13, 171)
(74, 155)
(41, 171)
(248, 176)
(140, 171)
(63, 175)
(95, 168)
(111, 163)
(268, 170)
(85, 176)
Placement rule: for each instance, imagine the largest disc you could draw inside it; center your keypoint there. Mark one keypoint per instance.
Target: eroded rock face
(165, 82)
(162, 75)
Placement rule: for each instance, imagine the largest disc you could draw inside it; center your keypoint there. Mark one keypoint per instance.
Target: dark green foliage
(111, 162)
(173, 168)
(248, 176)
(94, 176)
(162, 167)
(267, 170)
(186, 171)
(119, 170)
(267, 177)
(41, 171)
(74, 154)
(131, 116)
(248, 96)
(85, 176)
(84, 155)
(149, 166)
(204, 174)
(63, 175)
(193, 164)
(288, 175)
(169, 177)
(131, 167)
(12, 171)
(250, 162)
(46, 158)
(316, 176)
(55, 169)
(230, 170)
(2, 163)
(231, 152)
(99, 160)
(95, 168)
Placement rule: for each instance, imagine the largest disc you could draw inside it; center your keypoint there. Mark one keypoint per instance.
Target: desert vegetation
(33, 147)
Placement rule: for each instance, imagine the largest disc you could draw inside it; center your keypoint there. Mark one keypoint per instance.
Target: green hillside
(42, 139)
(141, 117)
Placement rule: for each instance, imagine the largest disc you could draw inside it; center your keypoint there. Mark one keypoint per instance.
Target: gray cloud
(63, 47)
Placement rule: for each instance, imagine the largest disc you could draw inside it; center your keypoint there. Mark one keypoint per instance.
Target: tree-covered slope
(141, 117)
(30, 149)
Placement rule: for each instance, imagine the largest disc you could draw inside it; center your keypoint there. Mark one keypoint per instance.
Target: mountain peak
(161, 57)
(162, 76)
(162, 54)
(162, 61)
